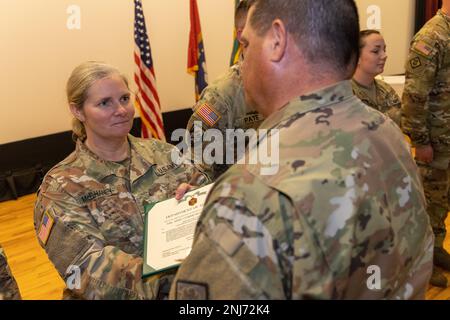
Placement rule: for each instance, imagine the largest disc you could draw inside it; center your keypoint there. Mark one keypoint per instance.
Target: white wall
(396, 24)
(38, 51)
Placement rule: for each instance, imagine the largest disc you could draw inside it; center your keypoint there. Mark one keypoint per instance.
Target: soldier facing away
(347, 197)
(426, 120)
(222, 105)
(8, 285)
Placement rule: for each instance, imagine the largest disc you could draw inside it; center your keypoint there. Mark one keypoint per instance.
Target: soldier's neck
(111, 150)
(363, 78)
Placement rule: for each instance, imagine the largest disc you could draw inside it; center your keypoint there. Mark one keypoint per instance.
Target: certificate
(169, 230)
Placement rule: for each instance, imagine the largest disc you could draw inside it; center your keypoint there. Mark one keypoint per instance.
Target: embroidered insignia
(162, 170)
(91, 195)
(415, 63)
(252, 118)
(208, 114)
(45, 228)
(423, 48)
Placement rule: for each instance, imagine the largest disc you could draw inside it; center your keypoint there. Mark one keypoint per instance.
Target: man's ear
(77, 112)
(278, 40)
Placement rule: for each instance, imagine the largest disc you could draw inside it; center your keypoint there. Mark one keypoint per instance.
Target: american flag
(208, 114)
(237, 49)
(46, 227)
(147, 100)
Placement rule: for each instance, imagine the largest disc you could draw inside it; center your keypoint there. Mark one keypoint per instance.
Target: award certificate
(169, 230)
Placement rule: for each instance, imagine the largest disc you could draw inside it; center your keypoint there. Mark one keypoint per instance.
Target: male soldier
(8, 286)
(222, 106)
(426, 120)
(344, 216)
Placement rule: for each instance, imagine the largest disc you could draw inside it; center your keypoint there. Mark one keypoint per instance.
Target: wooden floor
(36, 276)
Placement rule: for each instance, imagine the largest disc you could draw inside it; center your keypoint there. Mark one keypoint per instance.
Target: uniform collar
(322, 98)
(236, 68)
(99, 168)
(142, 157)
(374, 83)
(445, 16)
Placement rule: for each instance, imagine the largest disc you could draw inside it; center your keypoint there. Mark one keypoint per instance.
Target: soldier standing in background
(347, 198)
(8, 286)
(374, 92)
(426, 120)
(222, 105)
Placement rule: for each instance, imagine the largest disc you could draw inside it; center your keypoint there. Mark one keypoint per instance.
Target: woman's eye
(104, 103)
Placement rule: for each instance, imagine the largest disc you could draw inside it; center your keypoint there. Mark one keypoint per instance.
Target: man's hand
(182, 189)
(424, 154)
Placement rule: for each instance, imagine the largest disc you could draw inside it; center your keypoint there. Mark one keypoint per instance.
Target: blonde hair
(81, 79)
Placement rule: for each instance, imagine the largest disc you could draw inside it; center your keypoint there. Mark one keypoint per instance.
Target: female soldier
(89, 215)
(373, 92)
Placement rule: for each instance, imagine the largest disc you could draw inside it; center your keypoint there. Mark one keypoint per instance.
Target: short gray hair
(327, 32)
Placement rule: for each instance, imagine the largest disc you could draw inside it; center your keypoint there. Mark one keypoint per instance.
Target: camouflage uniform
(386, 100)
(426, 113)
(225, 99)
(8, 286)
(347, 196)
(98, 212)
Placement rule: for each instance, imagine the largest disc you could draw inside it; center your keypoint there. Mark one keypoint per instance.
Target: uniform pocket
(119, 220)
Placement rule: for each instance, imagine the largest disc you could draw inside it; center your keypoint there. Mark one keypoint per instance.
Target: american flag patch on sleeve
(208, 114)
(45, 228)
(423, 48)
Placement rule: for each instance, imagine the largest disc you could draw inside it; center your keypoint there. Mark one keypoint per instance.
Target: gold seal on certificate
(169, 230)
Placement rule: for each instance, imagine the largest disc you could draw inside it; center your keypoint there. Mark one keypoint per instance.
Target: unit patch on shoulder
(46, 227)
(208, 114)
(415, 62)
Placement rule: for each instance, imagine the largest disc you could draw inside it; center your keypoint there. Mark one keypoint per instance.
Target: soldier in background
(374, 92)
(89, 213)
(8, 286)
(346, 202)
(426, 120)
(222, 105)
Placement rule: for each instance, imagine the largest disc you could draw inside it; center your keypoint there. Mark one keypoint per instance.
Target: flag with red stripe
(237, 49)
(196, 52)
(147, 100)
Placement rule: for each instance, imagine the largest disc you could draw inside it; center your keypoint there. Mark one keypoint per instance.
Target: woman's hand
(182, 189)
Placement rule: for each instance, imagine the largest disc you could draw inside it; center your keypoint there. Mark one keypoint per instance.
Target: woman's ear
(77, 112)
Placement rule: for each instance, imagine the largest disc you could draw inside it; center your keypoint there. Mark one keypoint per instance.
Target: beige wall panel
(39, 51)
